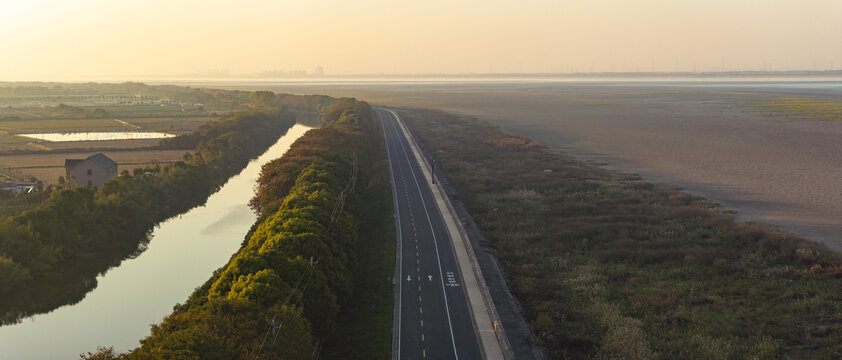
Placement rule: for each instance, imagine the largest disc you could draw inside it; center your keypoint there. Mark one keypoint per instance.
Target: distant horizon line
(509, 75)
(537, 74)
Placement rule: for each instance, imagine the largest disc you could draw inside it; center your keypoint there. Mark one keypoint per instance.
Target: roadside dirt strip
(491, 334)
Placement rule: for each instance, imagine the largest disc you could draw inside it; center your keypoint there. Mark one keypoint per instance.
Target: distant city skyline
(99, 39)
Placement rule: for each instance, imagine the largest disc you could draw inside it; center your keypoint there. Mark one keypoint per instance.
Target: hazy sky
(99, 39)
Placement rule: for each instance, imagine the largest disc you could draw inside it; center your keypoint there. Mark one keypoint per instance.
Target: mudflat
(729, 142)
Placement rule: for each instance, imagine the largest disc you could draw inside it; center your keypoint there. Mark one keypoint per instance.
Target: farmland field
(10, 142)
(50, 125)
(174, 125)
(47, 167)
(45, 159)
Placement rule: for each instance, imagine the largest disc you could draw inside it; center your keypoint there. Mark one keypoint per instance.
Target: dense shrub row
(296, 266)
(611, 267)
(331, 143)
(84, 231)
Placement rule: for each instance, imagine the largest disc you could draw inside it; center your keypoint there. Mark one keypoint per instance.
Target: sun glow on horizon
(56, 39)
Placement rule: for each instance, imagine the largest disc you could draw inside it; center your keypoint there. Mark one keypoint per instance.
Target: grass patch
(816, 109)
(12, 142)
(608, 266)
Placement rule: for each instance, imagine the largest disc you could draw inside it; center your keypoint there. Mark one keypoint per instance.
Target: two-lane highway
(433, 319)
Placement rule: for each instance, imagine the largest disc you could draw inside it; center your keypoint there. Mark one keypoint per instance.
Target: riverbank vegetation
(611, 267)
(51, 254)
(323, 237)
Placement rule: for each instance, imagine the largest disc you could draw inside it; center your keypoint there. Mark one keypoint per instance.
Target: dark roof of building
(98, 158)
(69, 163)
(103, 160)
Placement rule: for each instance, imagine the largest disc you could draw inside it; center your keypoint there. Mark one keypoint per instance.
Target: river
(182, 254)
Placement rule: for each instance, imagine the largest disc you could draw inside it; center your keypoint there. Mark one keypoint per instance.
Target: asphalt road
(433, 320)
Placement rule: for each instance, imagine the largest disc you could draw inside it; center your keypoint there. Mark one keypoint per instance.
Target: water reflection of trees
(68, 285)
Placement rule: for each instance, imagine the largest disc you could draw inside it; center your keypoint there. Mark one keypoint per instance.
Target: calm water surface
(183, 253)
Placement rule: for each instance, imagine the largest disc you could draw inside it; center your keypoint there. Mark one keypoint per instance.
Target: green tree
(264, 98)
(228, 329)
(102, 353)
(12, 273)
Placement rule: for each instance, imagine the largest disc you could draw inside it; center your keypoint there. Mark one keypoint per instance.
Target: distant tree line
(211, 98)
(68, 111)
